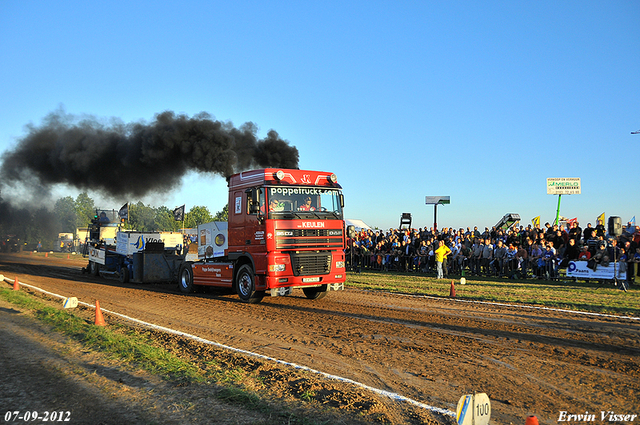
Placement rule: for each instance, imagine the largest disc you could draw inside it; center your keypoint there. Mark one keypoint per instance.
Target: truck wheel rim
(245, 284)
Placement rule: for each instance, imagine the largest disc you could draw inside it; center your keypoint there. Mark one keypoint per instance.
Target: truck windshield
(304, 202)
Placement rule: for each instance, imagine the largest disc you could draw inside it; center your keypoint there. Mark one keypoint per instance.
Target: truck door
(255, 237)
(255, 215)
(236, 221)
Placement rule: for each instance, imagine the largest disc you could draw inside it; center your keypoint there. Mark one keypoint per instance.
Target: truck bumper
(287, 290)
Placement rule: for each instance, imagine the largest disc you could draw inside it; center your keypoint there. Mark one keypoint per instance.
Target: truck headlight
(277, 267)
(339, 264)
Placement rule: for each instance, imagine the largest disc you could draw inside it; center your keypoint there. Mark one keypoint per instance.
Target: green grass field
(566, 294)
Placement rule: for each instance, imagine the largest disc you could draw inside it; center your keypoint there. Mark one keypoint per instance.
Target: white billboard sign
(563, 186)
(435, 200)
(579, 269)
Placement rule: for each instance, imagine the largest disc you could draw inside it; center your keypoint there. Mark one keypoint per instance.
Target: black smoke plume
(136, 159)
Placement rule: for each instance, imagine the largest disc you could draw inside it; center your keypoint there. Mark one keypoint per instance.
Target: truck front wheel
(246, 285)
(315, 293)
(185, 280)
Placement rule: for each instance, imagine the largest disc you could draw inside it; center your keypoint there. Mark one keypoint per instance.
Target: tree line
(32, 225)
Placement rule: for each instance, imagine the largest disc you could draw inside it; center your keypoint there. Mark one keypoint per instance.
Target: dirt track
(528, 361)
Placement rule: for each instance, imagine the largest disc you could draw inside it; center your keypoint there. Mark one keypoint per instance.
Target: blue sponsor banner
(579, 269)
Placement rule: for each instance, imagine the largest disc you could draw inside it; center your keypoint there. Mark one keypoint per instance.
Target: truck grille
(310, 263)
(297, 239)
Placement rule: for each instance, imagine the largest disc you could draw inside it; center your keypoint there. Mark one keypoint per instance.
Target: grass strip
(565, 294)
(105, 340)
(121, 342)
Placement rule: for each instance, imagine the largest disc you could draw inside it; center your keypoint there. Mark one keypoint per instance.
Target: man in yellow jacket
(442, 251)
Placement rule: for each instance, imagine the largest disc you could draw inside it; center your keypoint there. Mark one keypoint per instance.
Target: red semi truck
(285, 230)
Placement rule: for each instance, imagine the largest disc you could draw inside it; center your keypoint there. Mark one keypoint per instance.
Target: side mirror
(351, 231)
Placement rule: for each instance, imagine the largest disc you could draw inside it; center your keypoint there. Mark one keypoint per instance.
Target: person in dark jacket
(570, 254)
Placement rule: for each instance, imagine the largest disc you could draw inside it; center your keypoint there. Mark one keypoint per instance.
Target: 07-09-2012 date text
(29, 416)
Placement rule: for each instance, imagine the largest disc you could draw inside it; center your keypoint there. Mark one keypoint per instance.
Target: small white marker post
(71, 302)
(474, 409)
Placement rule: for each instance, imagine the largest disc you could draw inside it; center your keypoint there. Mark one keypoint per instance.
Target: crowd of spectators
(518, 252)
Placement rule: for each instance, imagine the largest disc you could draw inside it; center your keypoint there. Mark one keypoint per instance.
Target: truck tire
(315, 293)
(246, 285)
(124, 275)
(185, 279)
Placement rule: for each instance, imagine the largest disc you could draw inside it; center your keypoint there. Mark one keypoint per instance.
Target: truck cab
(285, 230)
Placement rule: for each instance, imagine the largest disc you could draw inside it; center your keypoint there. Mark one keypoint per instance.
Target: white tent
(359, 224)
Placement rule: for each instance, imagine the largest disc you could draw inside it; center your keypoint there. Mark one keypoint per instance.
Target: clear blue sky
(481, 101)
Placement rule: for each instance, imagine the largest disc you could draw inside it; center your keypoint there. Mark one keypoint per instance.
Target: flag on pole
(124, 212)
(633, 221)
(572, 220)
(535, 221)
(600, 219)
(178, 213)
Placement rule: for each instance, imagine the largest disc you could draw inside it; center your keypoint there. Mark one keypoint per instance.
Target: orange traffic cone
(16, 285)
(46, 254)
(68, 256)
(99, 319)
(531, 420)
(452, 291)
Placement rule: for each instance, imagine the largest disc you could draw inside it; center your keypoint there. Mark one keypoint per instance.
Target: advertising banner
(435, 200)
(579, 269)
(563, 186)
(97, 255)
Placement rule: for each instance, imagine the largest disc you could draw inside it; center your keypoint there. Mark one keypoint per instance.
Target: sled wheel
(95, 268)
(124, 275)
